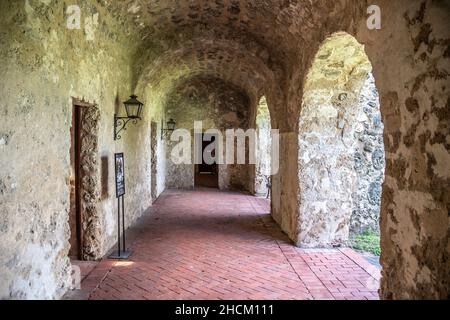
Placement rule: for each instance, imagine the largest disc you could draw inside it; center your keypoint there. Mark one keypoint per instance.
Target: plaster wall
(44, 65)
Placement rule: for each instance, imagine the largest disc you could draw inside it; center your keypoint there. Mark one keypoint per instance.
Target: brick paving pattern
(207, 244)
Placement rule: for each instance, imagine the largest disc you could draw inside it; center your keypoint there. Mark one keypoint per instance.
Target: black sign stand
(122, 253)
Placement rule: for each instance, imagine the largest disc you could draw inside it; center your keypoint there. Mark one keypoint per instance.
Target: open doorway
(206, 173)
(264, 154)
(84, 182)
(341, 151)
(263, 174)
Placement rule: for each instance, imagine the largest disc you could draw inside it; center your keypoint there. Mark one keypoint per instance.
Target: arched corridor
(116, 114)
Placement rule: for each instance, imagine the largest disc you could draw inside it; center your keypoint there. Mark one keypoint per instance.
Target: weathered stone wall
(410, 63)
(369, 161)
(44, 65)
(410, 58)
(219, 106)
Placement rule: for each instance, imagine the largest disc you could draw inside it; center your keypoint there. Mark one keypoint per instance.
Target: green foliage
(366, 242)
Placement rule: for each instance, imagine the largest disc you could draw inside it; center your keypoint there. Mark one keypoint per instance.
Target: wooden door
(75, 217)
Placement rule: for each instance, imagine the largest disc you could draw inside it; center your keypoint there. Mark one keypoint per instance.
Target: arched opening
(216, 105)
(341, 153)
(369, 163)
(263, 150)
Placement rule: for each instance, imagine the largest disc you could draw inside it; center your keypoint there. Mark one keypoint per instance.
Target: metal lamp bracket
(120, 124)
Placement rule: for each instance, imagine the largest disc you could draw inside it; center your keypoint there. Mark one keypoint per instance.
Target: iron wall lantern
(170, 128)
(133, 108)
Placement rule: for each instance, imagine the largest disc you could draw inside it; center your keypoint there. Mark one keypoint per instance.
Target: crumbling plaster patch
(413, 64)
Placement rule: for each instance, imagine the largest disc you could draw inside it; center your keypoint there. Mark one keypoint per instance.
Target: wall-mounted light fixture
(165, 132)
(133, 108)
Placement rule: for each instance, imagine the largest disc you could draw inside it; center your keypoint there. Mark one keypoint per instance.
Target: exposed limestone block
(369, 162)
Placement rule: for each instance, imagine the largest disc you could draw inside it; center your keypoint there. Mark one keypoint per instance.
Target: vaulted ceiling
(251, 44)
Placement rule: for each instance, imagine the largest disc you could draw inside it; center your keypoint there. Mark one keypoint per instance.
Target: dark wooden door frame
(75, 203)
(77, 110)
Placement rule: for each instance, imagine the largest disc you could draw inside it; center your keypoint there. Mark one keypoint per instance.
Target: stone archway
(340, 138)
(263, 149)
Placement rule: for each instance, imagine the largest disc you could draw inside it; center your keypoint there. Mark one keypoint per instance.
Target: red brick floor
(206, 244)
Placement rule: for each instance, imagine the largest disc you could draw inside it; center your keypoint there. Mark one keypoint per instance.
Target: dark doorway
(206, 174)
(75, 218)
